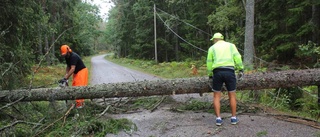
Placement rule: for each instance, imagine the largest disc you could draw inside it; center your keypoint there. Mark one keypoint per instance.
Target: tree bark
(249, 35)
(47, 48)
(280, 79)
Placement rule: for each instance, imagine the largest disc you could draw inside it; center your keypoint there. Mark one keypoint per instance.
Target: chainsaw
(63, 84)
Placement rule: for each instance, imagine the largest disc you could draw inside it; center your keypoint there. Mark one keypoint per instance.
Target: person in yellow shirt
(222, 61)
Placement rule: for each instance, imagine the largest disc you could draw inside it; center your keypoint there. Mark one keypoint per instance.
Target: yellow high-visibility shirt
(223, 54)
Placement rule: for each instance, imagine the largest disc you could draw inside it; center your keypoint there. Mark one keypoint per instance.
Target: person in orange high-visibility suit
(75, 67)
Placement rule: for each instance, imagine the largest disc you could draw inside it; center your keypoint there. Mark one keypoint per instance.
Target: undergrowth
(43, 121)
(40, 118)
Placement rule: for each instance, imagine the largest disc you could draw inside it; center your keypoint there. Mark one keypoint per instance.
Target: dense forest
(284, 31)
(32, 31)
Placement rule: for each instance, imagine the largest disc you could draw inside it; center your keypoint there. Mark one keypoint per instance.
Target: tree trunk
(176, 46)
(47, 49)
(316, 23)
(249, 35)
(39, 54)
(53, 39)
(280, 79)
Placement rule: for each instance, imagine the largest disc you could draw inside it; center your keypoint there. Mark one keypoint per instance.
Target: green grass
(165, 69)
(48, 76)
(262, 133)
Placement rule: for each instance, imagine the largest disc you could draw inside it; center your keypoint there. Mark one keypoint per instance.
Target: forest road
(164, 123)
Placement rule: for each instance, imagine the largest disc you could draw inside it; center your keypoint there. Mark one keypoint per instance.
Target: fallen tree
(280, 79)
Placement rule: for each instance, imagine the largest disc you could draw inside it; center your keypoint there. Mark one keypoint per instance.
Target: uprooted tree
(280, 79)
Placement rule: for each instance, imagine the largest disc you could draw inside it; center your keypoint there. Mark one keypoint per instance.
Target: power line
(260, 59)
(185, 22)
(180, 36)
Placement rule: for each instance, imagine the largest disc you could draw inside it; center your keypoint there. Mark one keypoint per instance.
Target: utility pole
(155, 33)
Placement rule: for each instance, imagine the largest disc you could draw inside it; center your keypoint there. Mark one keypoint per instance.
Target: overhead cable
(179, 36)
(199, 30)
(185, 22)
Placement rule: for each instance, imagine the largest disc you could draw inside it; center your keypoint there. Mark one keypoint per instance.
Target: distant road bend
(104, 71)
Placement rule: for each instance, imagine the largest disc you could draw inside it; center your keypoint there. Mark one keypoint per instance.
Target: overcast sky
(104, 5)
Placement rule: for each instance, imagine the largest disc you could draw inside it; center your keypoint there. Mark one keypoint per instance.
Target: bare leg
(216, 102)
(233, 102)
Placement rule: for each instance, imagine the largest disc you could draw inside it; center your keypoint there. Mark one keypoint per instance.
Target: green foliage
(280, 36)
(16, 41)
(138, 43)
(196, 105)
(296, 101)
(114, 126)
(226, 15)
(276, 35)
(47, 76)
(291, 95)
(262, 133)
(42, 114)
(145, 103)
(310, 52)
(96, 127)
(41, 122)
(29, 28)
(308, 102)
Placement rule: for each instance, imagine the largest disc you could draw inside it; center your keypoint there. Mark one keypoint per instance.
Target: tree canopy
(30, 29)
(185, 26)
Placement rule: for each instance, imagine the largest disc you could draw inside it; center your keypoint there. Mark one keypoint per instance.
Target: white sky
(104, 5)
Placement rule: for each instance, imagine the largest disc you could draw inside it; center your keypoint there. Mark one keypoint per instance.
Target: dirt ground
(165, 123)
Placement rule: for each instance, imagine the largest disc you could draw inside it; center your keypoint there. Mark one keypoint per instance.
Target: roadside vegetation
(41, 118)
(298, 101)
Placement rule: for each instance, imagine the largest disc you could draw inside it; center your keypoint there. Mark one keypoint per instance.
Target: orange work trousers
(80, 79)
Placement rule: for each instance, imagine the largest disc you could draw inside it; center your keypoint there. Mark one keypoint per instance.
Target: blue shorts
(226, 76)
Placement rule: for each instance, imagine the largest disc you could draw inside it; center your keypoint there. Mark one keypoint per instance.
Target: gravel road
(165, 123)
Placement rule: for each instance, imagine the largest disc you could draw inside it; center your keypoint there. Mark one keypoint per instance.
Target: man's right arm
(67, 69)
(209, 62)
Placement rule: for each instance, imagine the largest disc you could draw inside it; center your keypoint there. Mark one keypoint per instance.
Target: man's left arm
(237, 58)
